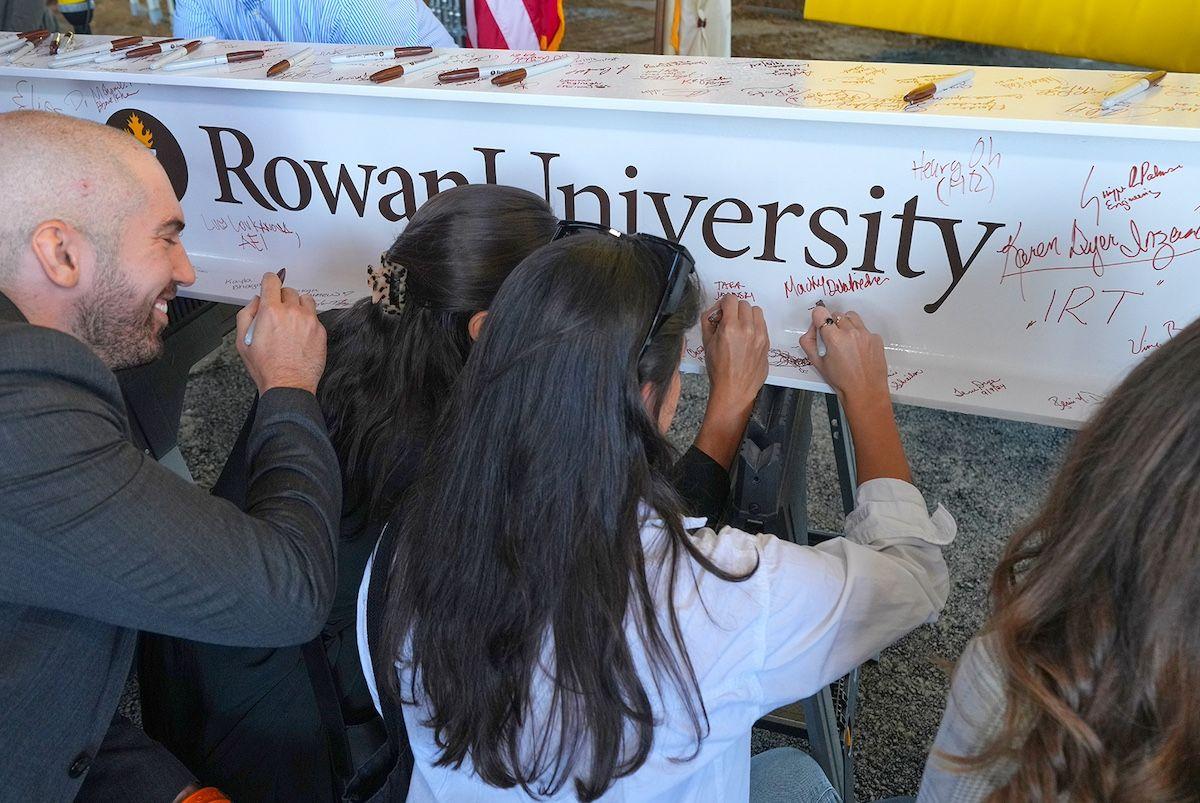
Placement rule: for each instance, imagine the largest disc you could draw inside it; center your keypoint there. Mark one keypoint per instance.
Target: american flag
(515, 24)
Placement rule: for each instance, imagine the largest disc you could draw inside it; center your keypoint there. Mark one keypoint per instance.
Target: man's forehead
(159, 199)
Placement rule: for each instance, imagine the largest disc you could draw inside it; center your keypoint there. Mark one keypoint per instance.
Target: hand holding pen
(735, 347)
(287, 347)
(735, 356)
(854, 365)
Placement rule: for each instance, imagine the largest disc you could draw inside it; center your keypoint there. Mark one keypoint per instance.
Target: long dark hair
(520, 552)
(389, 373)
(1095, 623)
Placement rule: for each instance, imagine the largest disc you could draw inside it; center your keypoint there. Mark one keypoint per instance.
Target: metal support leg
(843, 453)
(770, 477)
(770, 486)
(824, 740)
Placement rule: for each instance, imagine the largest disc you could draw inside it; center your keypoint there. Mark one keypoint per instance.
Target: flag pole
(660, 25)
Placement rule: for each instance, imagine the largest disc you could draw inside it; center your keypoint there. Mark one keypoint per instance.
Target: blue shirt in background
(397, 23)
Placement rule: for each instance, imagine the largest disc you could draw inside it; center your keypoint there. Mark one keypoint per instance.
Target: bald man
(97, 541)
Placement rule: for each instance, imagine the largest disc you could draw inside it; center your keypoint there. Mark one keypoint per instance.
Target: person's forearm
(877, 448)
(722, 430)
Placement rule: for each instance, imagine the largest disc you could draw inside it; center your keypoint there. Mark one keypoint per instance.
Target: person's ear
(649, 400)
(62, 252)
(475, 325)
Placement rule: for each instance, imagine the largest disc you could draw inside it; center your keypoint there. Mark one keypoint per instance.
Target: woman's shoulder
(761, 562)
(975, 712)
(977, 684)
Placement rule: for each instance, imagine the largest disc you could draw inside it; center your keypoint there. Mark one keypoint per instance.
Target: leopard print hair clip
(387, 283)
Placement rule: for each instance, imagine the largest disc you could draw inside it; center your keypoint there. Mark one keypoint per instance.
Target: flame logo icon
(158, 138)
(137, 128)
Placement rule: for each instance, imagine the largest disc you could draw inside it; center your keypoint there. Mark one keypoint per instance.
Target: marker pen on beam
(137, 52)
(1137, 87)
(213, 61)
(249, 338)
(392, 73)
(378, 55)
(521, 73)
(475, 73)
(935, 88)
(27, 48)
(107, 47)
(179, 50)
(21, 39)
(298, 59)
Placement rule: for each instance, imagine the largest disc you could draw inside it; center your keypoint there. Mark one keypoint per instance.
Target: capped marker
(89, 53)
(21, 52)
(475, 73)
(299, 58)
(214, 61)
(249, 338)
(389, 53)
(392, 73)
(521, 73)
(27, 48)
(30, 45)
(1135, 87)
(137, 52)
(110, 46)
(935, 88)
(21, 39)
(179, 50)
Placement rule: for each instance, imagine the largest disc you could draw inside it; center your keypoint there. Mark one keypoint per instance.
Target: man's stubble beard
(118, 325)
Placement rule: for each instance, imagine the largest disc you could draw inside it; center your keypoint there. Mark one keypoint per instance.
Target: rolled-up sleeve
(831, 607)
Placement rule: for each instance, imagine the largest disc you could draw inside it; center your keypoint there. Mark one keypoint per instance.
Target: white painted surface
(1088, 220)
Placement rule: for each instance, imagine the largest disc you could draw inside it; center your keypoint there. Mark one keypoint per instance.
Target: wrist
(868, 402)
(296, 384)
(728, 404)
(869, 412)
(721, 431)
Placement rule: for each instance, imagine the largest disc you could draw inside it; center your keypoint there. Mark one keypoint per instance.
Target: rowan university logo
(150, 131)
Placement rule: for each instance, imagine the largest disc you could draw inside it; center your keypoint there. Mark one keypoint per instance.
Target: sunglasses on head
(674, 258)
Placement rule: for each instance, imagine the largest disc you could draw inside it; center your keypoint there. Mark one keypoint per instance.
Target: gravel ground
(990, 474)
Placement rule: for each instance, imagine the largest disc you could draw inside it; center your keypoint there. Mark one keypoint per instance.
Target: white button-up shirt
(805, 618)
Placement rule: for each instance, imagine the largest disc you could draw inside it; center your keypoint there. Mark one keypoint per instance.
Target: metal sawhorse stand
(770, 495)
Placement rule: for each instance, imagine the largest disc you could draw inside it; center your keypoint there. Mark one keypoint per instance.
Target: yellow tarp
(1149, 33)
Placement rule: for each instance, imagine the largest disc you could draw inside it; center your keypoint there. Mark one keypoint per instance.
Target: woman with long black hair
(554, 625)
(292, 724)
